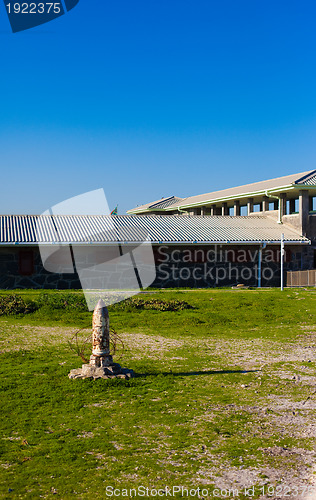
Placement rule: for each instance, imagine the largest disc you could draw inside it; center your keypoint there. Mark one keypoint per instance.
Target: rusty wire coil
(80, 348)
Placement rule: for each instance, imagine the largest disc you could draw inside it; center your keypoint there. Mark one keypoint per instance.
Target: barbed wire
(80, 347)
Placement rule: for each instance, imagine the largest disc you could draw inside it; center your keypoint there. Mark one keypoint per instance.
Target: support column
(213, 209)
(236, 208)
(250, 205)
(282, 207)
(259, 266)
(265, 204)
(224, 209)
(304, 211)
(205, 210)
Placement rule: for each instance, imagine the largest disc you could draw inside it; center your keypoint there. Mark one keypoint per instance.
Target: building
(220, 238)
(190, 251)
(290, 200)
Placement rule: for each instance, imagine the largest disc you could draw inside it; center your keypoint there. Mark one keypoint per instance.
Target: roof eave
(138, 210)
(305, 187)
(162, 242)
(248, 194)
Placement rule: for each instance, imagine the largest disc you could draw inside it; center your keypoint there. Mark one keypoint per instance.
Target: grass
(212, 401)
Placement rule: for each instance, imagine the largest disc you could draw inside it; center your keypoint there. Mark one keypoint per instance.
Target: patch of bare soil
(27, 337)
(150, 346)
(295, 474)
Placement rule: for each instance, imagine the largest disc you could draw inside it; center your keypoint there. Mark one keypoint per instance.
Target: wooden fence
(301, 278)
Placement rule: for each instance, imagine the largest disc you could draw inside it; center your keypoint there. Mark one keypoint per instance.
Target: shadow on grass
(188, 374)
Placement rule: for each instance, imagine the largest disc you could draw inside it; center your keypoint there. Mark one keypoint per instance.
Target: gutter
(280, 214)
(279, 189)
(249, 194)
(236, 196)
(182, 211)
(162, 242)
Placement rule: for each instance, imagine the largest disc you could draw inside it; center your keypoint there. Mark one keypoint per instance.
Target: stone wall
(199, 267)
(11, 277)
(191, 266)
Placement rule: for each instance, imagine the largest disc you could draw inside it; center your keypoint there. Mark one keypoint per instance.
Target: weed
(15, 304)
(152, 304)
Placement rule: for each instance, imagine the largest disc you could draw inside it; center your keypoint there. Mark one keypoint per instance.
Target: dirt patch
(150, 345)
(27, 337)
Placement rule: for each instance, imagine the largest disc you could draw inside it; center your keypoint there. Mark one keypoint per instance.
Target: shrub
(62, 301)
(15, 304)
(155, 304)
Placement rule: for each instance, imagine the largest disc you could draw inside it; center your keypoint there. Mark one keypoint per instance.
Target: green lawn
(222, 398)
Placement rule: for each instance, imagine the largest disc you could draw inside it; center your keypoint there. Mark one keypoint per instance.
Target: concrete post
(250, 205)
(282, 207)
(304, 211)
(282, 261)
(236, 208)
(265, 204)
(100, 336)
(259, 266)
(101, 364)
(213, 209)
(224, 209)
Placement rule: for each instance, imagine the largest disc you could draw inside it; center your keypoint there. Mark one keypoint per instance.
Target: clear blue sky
(150, 98)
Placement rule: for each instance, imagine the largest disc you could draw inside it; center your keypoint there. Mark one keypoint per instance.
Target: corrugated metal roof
(32, 229)
(239, 191)
(308, 180)
(162, 203)
(246, 189)
(167, 202)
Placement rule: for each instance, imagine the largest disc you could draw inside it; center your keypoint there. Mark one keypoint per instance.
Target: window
(292, 206)
(257, 207)
(312, 206)
(26, 262)
(231, 211)
(244, 210)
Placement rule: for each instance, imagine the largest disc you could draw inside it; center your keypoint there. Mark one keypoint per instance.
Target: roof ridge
(162, 199)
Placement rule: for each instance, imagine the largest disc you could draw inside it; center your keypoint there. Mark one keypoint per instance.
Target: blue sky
(151, 98)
